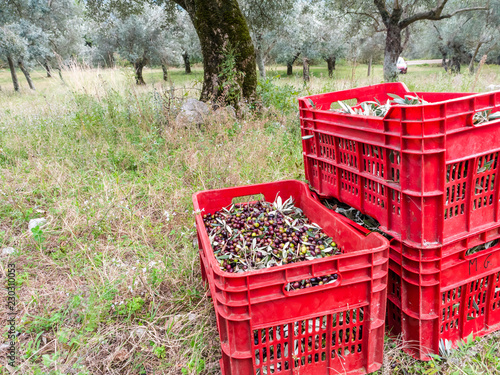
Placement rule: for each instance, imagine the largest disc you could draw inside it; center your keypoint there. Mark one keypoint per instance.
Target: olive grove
(232, 38)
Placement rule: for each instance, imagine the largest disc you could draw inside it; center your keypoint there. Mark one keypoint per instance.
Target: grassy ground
(111, 285)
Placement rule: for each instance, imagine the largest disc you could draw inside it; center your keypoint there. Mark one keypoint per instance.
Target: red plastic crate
(432, 291)
(426, 172)
(329, 329)
(448, 297)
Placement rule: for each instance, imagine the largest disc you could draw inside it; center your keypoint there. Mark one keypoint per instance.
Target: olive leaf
(494, 116)
(485, 167)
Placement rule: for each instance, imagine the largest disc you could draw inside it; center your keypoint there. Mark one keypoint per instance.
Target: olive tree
(463, 39)
(299, 39)
(188, 41)
(266, 20)
(394, 16)
(308, 35)
(142, 38)
(222, 31)
(21, 40)
(66, 29)
(333, 42)
(11, 45)
(46, 30)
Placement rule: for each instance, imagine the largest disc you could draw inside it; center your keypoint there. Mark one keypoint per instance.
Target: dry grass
(111, 285)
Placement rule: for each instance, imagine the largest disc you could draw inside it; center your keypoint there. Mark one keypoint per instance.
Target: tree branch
(376, 26)
(438, 32)
(380, 4)
(435, 15)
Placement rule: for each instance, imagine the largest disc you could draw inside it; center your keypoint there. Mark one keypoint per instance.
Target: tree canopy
(233, 37)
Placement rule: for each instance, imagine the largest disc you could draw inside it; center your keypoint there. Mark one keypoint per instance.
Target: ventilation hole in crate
(347, 332)
(328, 173)
(270, 347)
(477, 298)
(373, 160)
(456, 187)
(348, 152)
(394, 284)
(394, 157)
(375, 193)
(349, 182)
(327, 146)
(450, 309)
(484, 181)
(309, 344)
(396, 201)
(394, 165)
(457, 171)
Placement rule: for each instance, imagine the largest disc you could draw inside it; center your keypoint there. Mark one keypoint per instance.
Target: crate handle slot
(485, 122)
(294, 292)
(480, 252)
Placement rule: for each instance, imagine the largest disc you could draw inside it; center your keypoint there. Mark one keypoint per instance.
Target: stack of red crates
(428, 174)
(330, 329)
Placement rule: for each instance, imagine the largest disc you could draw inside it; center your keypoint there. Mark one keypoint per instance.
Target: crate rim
(213, 261)
(403, 85)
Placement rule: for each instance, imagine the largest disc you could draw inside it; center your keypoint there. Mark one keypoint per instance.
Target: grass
(111, 285)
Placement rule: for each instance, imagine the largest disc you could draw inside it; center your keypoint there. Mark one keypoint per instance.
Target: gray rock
(140, 331)
(8, 251)
(37, 223)
(193, 112)
(225, 113)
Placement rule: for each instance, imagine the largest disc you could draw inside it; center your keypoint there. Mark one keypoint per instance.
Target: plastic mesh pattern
(456, 188)
(484, 181)
(282, 348)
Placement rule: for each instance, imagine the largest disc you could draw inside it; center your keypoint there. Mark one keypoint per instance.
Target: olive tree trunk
(26, 74)
(289, 64)
(305, 69)
(455, 64)
(165, 72)
(138, 67)
(259, 56)
(220, 25)
(474, 55)
(393, 49)
(330, 61)
(260, 62)
(187, 63)
(47, 69)
(13, 73)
